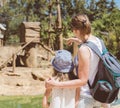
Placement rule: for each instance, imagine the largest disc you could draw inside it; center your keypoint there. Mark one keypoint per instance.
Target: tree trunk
(59, 25)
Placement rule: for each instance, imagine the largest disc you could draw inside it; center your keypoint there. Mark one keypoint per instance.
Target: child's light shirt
(63, 98)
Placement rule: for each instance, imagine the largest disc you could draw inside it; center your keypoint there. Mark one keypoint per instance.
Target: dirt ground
(24, 81)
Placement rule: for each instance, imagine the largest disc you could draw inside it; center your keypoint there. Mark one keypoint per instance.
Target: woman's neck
(85, 38)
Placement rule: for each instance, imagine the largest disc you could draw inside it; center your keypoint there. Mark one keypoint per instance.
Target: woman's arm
(83, 71)
(77, 97)
(105, 105)
(45, 103)
(69, 41)
(83, 63)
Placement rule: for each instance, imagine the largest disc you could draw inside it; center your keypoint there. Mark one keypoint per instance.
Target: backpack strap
(94, 48)
(104, 49)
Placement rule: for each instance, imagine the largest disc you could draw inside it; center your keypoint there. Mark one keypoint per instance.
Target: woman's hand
(50, 83)
(71, 40)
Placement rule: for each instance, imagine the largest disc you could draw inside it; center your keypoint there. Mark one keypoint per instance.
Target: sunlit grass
(21, 101)
(28, 102)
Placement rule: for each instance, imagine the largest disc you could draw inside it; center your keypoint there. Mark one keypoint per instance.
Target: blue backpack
(105, 87)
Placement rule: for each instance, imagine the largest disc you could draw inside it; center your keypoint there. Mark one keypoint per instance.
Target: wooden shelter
(2, 29)
(30, 30)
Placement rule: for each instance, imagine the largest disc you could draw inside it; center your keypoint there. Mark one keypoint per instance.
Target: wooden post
(49, 27)
(59, 24)
(61, 40)
(14, 62)
(59, 15)
(75, 49)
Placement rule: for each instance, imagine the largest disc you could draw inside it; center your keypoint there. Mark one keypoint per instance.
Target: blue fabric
(62, 61)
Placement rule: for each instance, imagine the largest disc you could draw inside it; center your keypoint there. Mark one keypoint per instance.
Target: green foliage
(103, 14)
(13, 39)
(107, 27)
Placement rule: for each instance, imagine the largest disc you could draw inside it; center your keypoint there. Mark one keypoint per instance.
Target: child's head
(63, 65)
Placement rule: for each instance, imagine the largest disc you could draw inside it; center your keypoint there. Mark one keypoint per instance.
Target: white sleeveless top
(63, 98)
(93, 68)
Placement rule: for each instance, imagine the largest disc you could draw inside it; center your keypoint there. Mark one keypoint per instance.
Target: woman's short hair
(81, 22)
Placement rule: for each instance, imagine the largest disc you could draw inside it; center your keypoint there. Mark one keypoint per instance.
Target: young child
(63, 71)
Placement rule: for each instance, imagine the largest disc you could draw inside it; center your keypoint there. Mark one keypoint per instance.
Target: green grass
(26, 101)
(21, 101)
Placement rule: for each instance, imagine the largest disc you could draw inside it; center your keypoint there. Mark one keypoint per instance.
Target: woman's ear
(76, 31)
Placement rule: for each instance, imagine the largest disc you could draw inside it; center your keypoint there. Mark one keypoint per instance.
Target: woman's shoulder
(83, 49)
(83, 52)
(93, 38)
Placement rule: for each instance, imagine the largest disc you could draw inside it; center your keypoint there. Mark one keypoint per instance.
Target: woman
(87, 63)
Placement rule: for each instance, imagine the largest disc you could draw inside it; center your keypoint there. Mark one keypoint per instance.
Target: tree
(103, 15)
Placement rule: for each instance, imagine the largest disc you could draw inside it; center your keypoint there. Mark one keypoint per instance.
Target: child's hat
(62, 61)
